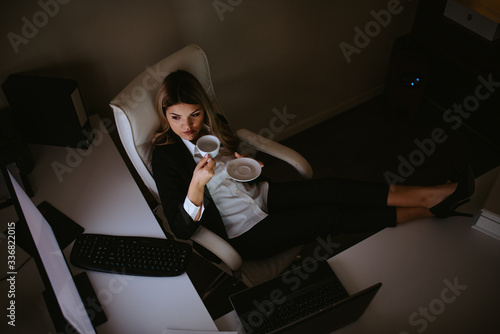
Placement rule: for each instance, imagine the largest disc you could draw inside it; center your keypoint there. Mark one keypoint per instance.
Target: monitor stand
(90, 301)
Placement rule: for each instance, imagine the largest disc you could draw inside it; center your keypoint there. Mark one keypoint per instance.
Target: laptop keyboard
(300, 305)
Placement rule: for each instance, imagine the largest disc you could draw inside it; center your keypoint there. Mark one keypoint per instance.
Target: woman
(261, 218)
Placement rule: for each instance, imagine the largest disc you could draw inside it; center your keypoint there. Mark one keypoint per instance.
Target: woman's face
(186, 120)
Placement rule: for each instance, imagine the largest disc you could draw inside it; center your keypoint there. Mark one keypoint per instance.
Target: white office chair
(137, 122)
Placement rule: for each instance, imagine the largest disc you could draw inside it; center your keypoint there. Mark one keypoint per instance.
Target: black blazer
(173, 167)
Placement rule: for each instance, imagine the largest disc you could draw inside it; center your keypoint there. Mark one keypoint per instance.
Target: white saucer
(243, 169)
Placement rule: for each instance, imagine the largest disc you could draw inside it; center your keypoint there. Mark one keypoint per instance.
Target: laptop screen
(54, 263)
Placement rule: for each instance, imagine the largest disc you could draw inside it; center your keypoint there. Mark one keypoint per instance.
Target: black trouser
(302, 211)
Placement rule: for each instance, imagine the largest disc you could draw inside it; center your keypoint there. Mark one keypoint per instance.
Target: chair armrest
(218, 246)
(277, 150)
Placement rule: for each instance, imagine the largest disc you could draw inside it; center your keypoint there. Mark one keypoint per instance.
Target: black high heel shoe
(465, 189)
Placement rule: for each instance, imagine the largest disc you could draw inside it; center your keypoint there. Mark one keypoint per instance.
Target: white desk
(414, 262)
(101, 195)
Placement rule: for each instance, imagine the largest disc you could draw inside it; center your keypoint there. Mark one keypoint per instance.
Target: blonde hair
(182, 87)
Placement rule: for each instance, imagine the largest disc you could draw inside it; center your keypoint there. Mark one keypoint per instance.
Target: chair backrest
(134, 112)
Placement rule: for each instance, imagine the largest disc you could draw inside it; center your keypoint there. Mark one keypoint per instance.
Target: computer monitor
(54, 270)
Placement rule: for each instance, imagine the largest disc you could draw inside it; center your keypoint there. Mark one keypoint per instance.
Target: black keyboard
(298, 306)
(131, 255)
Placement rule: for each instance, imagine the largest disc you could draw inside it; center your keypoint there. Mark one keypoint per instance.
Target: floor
(370, 143)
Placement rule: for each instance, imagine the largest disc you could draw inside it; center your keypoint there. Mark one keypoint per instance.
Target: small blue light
(417, 79)
(412, 84)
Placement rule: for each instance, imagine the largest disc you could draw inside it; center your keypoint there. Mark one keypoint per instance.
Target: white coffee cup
(208, 145)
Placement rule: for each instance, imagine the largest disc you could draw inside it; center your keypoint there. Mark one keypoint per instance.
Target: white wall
(264, 54)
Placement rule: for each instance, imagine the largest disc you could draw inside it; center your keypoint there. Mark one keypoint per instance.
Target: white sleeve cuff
(192, 210)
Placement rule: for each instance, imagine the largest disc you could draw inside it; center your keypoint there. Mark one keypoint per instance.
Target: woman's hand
(238, 156)
(204, 171)
(202, 174)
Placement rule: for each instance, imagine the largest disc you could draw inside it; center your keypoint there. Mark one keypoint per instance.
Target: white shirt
(241, 205)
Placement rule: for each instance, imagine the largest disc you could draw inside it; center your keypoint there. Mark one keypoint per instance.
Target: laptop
(307, 299)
